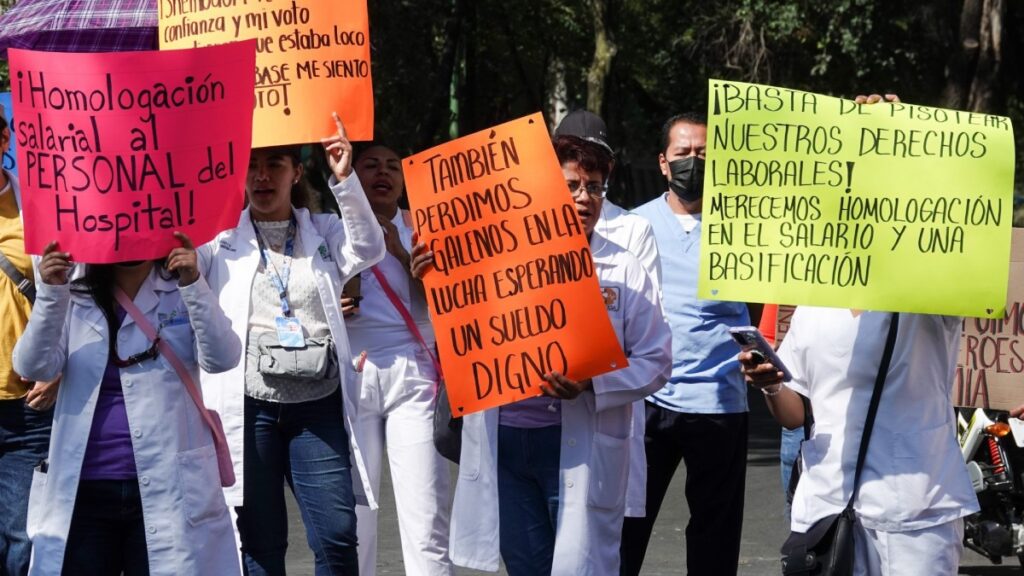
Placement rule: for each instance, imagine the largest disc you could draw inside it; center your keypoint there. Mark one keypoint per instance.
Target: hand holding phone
(751, 340)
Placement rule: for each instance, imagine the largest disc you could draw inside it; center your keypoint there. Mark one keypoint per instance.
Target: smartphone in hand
(750, 338)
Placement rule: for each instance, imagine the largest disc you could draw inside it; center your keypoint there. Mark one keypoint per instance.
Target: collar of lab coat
(598, 244)
(146, 300)
(245, 232)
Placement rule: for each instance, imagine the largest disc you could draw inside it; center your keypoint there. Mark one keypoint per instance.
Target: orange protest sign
(118, 150)
(513, 293)
(312, 58)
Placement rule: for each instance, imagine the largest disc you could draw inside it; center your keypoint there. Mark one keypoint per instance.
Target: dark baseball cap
(587, 125)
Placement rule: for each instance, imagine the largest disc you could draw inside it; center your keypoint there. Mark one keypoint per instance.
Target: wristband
(778, 388)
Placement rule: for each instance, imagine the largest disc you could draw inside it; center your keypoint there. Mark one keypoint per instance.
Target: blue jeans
(306, 445)
(789, 451)
(528, 472)
(24, 443)
(107, 535)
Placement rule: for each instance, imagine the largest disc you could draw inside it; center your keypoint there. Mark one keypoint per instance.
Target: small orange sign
(513, 294)
(312, 58)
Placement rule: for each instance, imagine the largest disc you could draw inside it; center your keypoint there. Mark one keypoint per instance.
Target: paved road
(763, 529)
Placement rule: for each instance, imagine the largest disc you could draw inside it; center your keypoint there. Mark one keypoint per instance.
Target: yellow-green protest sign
(810, 199)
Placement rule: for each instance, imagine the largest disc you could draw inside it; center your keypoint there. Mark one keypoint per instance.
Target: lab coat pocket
(609, 470)
(36, 502)
(180, 336)
(199, 482)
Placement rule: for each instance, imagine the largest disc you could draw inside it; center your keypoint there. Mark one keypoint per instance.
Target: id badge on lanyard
(289, 332)
(289, 328)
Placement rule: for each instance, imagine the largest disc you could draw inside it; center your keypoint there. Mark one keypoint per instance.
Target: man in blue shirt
(700, 417)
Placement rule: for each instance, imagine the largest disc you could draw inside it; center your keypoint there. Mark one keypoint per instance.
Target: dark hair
(692, 117)
(591, 156)
(3, 123)
(294, 152)
(361, 148)
(98, 283)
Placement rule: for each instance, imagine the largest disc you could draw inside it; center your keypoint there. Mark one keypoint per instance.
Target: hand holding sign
(54, 266)
(338, 150)
(558, 386)
(876, 98)
(422, 259)
(183, 261)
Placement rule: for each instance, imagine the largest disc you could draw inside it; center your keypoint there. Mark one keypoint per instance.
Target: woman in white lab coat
(399, 383)
(544, 481)
(132, 482)
(279, 274)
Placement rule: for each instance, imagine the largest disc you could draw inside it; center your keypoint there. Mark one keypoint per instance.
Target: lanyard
(280, 280)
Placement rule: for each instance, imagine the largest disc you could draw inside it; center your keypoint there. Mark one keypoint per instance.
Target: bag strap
(876, 395)
(168, 353)
(409, 322)
(25, 286)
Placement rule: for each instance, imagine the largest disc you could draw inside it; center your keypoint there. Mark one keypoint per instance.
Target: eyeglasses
(139, 358)
(595, 190)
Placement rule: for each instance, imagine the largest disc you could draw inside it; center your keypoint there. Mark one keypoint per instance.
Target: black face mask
(687, 178)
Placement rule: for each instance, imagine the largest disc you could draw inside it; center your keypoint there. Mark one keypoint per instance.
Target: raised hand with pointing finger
(339, 151)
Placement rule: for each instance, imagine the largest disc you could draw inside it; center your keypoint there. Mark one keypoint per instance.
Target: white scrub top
(914, 476)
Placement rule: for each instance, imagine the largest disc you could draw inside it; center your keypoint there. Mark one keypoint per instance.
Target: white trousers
(931, 551)
(396, 409)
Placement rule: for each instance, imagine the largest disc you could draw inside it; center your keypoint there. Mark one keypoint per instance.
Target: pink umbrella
(80, 26)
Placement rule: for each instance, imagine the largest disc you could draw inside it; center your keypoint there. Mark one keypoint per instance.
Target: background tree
(636, 62)
(443, 68)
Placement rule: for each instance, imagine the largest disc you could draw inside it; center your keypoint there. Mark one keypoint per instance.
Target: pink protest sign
(118, 150)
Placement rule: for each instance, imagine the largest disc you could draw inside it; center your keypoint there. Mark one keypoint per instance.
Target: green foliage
(444, 66)
(667, 49)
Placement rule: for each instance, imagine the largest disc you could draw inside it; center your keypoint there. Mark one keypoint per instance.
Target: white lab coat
(340, 248)
(596, 427)
(188, 528)
(633, 232)
(396, 412)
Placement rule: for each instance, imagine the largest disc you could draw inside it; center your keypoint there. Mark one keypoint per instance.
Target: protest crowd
(159, 392)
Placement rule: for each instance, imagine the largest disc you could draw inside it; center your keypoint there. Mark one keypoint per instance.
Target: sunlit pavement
(763, 530)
